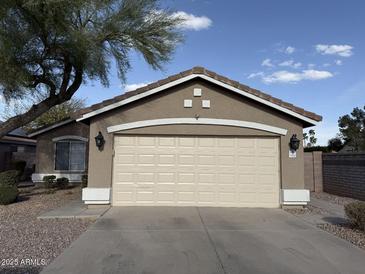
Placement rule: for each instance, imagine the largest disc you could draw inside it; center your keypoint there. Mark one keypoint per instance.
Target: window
(70, 155)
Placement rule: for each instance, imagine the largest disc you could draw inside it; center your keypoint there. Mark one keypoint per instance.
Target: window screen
(70, 155)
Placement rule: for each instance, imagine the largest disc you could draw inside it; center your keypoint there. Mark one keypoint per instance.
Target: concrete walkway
(335, 210)
(75, 209)
(332, 213)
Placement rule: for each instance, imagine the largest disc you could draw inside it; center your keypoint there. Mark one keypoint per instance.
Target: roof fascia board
(50, 127)
(137, 97)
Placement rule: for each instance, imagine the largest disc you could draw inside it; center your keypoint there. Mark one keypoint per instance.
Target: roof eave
(56, 125)
(157, 89)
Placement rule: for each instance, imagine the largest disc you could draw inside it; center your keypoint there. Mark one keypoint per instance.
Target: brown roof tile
(201, 70)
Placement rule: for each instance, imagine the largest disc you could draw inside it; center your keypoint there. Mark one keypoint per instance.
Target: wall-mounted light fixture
(99, 141)
(294, 142)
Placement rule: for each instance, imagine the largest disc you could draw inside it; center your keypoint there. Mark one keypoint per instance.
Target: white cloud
(289, 50)
(326, 65)
(192, 22)
(129, 87)
(310, 66)
(255, 75)
(338, 62)
(290, 63)
(284, 76)
(267, 63)
(340, 50)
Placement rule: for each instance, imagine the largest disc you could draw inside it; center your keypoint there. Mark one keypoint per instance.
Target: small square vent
(197, 92)
(206, 103)
(188, 103)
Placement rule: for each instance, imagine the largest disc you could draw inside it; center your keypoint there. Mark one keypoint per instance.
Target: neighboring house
(16, 146)
(193, 139)
(62, 150)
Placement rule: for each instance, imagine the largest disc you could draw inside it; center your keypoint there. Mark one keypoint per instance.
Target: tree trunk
(42, 107)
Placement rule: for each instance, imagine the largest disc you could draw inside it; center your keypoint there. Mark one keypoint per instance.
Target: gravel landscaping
(332, 198)
(26, 241)
(357, 237)
(344, 230)
(307, 210)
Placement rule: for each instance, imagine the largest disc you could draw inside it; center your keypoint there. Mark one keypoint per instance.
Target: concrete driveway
(206, 240)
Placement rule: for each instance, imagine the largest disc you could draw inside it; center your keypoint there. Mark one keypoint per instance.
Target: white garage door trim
(196, 171)
(194, 121)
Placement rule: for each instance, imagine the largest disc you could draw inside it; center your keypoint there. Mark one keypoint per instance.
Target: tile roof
(203, 71)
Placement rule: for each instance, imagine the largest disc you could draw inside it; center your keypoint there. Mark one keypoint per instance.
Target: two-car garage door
(196, 171)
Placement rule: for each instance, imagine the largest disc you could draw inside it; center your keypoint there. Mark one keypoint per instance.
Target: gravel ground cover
(346, 232)
(28, 244)
(332, 198)
(307, 210)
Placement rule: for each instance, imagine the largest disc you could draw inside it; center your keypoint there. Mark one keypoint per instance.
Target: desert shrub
(8, 194)
(9, 177)
(62, 182)
(49, 181)
(84, 180)
(356, 214)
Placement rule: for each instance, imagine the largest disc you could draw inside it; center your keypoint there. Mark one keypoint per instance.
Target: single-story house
(16, 146)
(62, 150)
(193, 139)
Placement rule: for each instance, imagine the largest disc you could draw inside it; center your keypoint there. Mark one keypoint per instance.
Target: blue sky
(309, 53)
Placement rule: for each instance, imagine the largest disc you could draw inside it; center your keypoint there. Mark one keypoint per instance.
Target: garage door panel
(187, 142)
(144, 141)
(165, 197)
(226, 178)
(186, 159)
(167, 142)
(206, 178)
(196, 171)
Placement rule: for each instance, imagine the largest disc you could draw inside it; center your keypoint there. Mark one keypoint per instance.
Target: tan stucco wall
(169, 104)
(45, 146)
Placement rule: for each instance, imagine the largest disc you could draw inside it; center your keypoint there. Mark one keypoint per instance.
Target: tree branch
(30, 115)
(66, 76)
(42, 107)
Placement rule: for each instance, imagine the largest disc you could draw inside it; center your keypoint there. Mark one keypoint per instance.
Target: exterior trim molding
(19, 139)
(187, 78)
(200, 121)
(73, 137)
(50, 127)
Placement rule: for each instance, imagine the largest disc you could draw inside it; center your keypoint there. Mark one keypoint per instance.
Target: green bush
(84, 180)
(8, 194)
(356, 214)
(19, 165)
(62, 182)
(9, 177)
(49, 181)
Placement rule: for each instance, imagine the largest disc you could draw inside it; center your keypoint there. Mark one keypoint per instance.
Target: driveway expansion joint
(211, 242)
